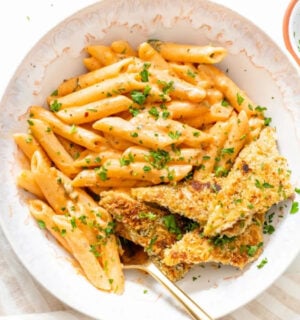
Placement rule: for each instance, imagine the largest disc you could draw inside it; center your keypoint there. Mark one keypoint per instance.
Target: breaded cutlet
(152, 228)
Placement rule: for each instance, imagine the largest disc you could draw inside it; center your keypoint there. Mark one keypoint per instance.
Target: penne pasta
(189, 53)
(123, 48)
(237, 138)
(236, 97)
(189, 73)
(160, 158)
(80, 248)
(178, 88)
(121, 84)
(183, 109)
(72, 148)
(91, 63)
(27, 143)
(87, 79)
(54, 149)
(49, 182)
(94, 159)
(216, 113)
(26, 181)
(95, 110)
(125, 130)
(147, 53)
(104, 54)
(219, 131)
(113, 169)
(44, 214)
(178, 132)
(76, 134)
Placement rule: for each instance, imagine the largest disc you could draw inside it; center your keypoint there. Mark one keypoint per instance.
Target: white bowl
(291, 29)
(254, 62)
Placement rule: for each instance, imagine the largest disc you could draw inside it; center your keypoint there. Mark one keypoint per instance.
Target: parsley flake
(294, 208)
(55, 106)
(239, 99)
(41, 224)
(262, 263)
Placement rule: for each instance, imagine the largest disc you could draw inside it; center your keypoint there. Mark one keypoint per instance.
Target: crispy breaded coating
(236, 251)
(258, 179)
(193, 199)
(144, 226)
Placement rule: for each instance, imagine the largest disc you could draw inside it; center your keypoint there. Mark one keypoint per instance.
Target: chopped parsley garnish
(145, 73)
(167, 87)
(171, 224)
(102, 173)
(165, 114)
(73, 128)
(297, 190)
(227, 151)
(191, 74)
(260, 109)
(151, 243)
(220, 241)
(224, 103)
(191, 225)
(267, 121)
(147, 168)
(268, 228)
(239, 99)
(171, 174)
(125, 161)
(140, 97)
(134, 111)
(110, 228)
(250, 206)
(148, 215)
(251, 249)
(262, 263)
(158, 158)
(93, 249)
(54, 93)
(55, 106)
(174, 135)
(83, 219)
(154, 112)
(295, 207)
(73, 223)
(264, 185)
(134, 134)
(221, 172)
(41, 224)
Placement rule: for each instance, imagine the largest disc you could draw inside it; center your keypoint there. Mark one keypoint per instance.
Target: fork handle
(190, 305)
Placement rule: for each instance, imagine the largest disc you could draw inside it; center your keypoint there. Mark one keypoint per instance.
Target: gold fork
(142, 262)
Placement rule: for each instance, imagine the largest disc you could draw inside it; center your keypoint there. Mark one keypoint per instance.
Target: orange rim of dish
(285, 30)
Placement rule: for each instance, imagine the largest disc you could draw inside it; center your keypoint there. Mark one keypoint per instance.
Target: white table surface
(24, 22)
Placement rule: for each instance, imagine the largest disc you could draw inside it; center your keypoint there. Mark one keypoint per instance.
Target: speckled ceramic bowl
(254, 62)
(291, 29)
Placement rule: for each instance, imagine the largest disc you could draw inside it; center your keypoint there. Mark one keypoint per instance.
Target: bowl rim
(285, 30)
